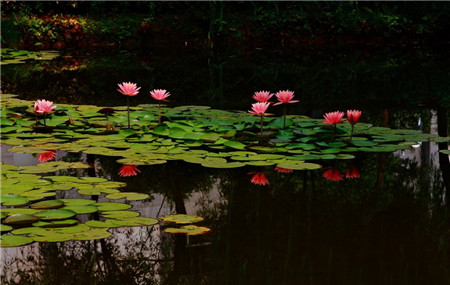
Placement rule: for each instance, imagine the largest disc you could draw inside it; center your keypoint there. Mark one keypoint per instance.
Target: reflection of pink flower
(352, 172)
(129, 89)
(333, 118)
(285, 97)
(159, 94)
(259, 178)
(283, 170)
(259, 108)
(353, 116)
(128, 170)
(43, 106)
(262, 96)
(333, 175)
(46, 156)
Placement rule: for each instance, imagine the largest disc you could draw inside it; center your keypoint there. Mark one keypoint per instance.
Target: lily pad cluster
(11, 56)
(195, 134)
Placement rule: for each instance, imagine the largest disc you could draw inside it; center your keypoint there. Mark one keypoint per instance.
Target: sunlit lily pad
(19, 219)
(181, 219)
(49, 204)
(5, 228)
(92, 234)
(137, 221)
(110, 206)
(54, 224)
(189, 230)
(82, 209)
(120, 214)
(13, 200)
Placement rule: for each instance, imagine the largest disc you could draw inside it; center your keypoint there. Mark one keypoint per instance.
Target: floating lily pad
(14, 240)
(5, 228)
(13, 200)
(54, 224)
(137, 221)
(181, 219)
(110, 206)
(19, 219)
(120, 214)
(189, 230)
(50, 204)
(56, 214)
(132, 196)
(92, 234)
(82, 209)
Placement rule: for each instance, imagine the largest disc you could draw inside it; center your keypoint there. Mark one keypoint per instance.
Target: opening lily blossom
(128, 170)
(333, 118)
(332, 175)
(46, 156)
(259, 178)
(43, 106)
(259, 108)
(159, 94)
(262, 96)
(353, 116)
(283, 170)
(128, 88)
(285, 97)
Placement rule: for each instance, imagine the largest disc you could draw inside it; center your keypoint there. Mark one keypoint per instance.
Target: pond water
(380, 218)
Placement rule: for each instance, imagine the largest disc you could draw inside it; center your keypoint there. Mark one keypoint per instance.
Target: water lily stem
(284, 117)
(261, 123)
(351, 134)
(159, 113)
(45, 124)
(128, 111)
(334, 131)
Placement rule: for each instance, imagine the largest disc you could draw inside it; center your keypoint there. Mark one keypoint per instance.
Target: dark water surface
(390, 225)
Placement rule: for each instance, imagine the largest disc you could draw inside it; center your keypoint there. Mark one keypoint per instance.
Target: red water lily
(43, 106)
(46, 156)
(353, 116)
(333, 118)
(285, 97)
(259, 178)
(128, 170)
(332, 175)
(128, 88)
(352, 172)
(283, 170)
(262, 96)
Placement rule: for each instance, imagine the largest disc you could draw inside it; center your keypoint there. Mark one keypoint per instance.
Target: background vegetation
(60, 24)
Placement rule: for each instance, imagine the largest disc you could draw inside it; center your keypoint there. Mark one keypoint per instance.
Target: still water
(387, 223)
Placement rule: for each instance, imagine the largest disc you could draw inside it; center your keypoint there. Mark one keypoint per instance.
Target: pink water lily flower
(262, 96)
(159, 94)
(46, 156)
(43, 106)
(333, 118)
(353, 116)
(128, 88)
(285, 97)
(128, 170)
(259, 178)
(260, 108)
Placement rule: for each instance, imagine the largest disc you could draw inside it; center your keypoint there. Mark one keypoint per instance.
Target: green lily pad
(56, 214)
(13, 200)
(14, 240)
(50, 204)
(189, 230)
(19, 219)
(181, 219)
(132, 196)
(54, 224)
(78, 202)
(137, 221)
(119, 214)
(92, 234)
(110, 206)
(82, 209)
(5, 228)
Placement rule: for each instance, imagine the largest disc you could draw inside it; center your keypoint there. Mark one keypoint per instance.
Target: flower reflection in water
(352, 172)
(333, 175)
(128, 170)
(259, 178)
(283, 170)
(46, 156)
